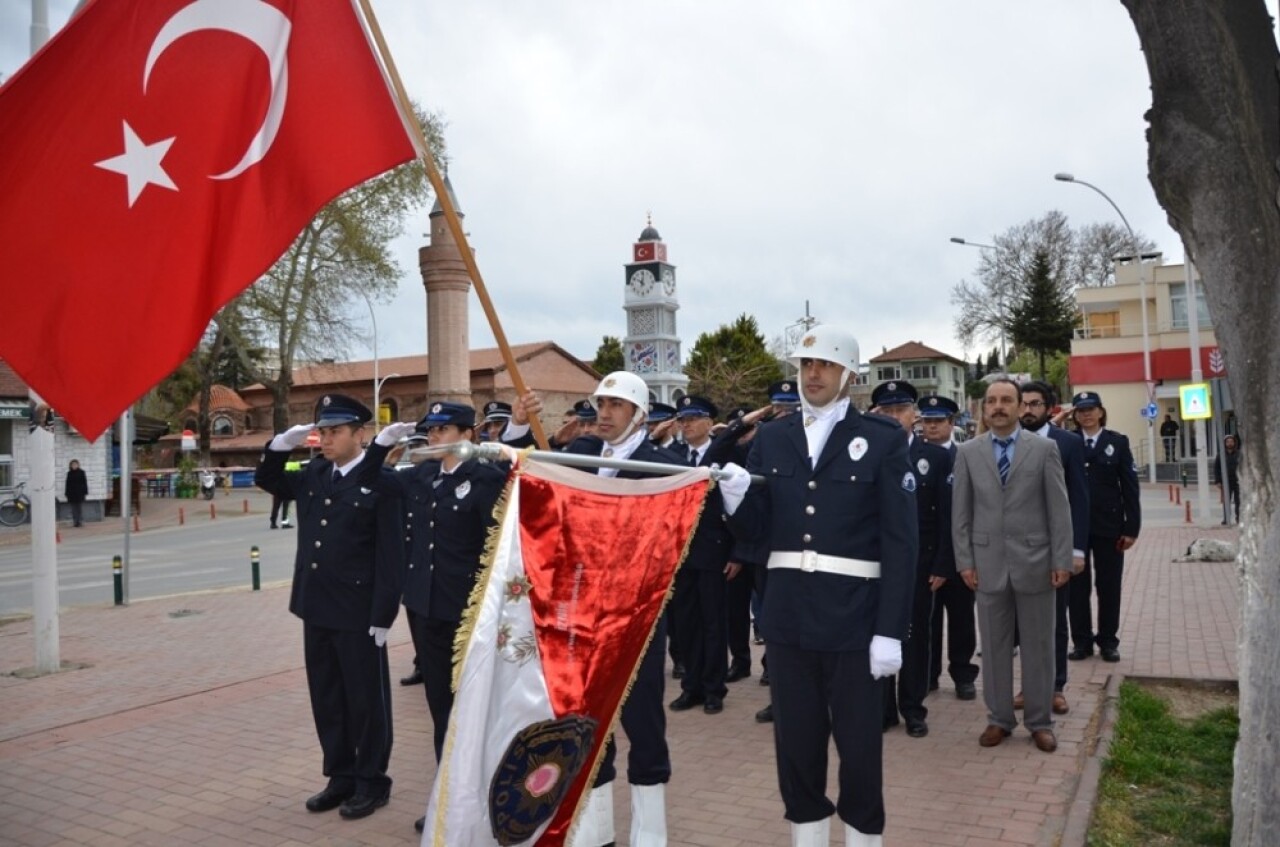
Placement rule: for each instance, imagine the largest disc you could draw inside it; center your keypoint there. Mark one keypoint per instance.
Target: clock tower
(651, 347)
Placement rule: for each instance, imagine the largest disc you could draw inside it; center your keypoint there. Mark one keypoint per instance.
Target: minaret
(651, 345)
(448, 292)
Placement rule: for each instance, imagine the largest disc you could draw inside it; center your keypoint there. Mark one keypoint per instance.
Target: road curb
(1080, 812)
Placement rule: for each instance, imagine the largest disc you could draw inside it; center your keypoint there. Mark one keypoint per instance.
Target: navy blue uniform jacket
(445, 526)
(1113, 487)
(931, 465)
(1071, 446)
(861, 508)
(348, 569)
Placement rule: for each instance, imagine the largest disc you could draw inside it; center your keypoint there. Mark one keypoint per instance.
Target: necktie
(337, 475)
(1089, 443)
(1002, 462)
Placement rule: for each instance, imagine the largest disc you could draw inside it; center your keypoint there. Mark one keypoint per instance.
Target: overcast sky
(819, 151)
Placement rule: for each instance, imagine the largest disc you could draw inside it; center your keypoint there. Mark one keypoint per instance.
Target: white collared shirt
(351, 465)
(818, 426)
(622, 450)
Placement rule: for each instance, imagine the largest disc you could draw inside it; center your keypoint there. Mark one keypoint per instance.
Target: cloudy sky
(820, 150)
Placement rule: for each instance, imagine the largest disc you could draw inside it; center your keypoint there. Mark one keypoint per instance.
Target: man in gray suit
(1011, 526)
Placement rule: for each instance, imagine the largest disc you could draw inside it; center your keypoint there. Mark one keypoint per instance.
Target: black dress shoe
(414, 678)
(686, 700)
(332, 797)
(420, 824)
(758, 638)
(362, 805)
(677, 670)
(1079, 654)
(764, 677)
(765, 715)
(917, 728)
(713, 706)
(1109, 654)
(737, 672)
(966, 691)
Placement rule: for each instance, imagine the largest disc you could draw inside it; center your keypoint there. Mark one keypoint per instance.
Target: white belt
(809, 561)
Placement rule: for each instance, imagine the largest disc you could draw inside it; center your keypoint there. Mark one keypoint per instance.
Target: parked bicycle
(16, 508)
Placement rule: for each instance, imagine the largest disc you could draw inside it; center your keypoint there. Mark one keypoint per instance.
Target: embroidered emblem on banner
(857, 448)
(534, 774)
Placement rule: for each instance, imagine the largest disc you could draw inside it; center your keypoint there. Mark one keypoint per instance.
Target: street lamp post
(377, 383)
(1004, 356)
(377, 405)
(1146, 336)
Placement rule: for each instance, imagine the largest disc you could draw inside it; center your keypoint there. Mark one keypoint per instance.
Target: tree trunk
(1215, 139)
(279, 404)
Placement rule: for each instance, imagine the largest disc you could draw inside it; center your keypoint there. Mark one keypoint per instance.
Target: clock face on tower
(669, 282)
(642, 282)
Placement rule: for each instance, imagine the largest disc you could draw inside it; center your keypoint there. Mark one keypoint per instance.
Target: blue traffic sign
(1150, 411)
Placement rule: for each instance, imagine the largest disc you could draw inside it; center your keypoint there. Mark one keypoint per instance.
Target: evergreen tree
(609, 356)
(732, 366)
(1045, 315)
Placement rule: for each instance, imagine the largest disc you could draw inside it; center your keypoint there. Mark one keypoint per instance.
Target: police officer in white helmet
(838, 516)
(622, 401)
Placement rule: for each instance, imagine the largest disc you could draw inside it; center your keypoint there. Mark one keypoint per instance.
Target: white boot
(649, 816)
(812, 834)
(594, 827)
(854, 838)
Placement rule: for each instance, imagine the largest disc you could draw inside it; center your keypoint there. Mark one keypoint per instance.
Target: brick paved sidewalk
(191, 725)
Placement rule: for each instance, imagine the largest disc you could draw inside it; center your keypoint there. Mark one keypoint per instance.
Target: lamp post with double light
(1146, 336)
(1004, 357)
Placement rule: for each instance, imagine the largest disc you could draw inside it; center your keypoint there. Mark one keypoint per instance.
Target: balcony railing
(1134, 330)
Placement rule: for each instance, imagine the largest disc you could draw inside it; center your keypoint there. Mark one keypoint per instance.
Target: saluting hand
(393, 432)
(292, 437)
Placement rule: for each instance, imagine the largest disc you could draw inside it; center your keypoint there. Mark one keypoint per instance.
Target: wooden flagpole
(450, 215)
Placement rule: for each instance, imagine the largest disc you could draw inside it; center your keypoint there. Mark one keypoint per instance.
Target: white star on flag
(140, 163)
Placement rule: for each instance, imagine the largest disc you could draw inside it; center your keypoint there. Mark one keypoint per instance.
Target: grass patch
(1166, 781)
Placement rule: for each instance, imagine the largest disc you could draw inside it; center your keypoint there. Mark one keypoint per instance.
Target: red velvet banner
(600, 555)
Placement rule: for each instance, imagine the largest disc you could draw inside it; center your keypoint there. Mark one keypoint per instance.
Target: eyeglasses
(1033, 404)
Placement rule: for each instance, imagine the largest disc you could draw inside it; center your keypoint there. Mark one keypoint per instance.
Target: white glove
(379, 634)
(734, 482)
(886, 656)
(291, 437)
(393, 432)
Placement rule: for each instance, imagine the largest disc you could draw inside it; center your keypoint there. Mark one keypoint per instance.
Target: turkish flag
(157, 157)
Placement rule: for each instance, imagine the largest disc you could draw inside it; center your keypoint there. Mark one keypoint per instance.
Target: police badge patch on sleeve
(909, 482)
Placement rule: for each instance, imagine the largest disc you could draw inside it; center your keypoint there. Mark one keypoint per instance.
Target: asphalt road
(172, 560)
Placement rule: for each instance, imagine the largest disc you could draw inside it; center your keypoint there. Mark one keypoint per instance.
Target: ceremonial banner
(157, 156)
(557, 625)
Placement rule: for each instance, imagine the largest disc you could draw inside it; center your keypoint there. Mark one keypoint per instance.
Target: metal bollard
(182, 516)
(254, 565)
(1188, 517)
(117, 577)
(246, 507)
(213, 512)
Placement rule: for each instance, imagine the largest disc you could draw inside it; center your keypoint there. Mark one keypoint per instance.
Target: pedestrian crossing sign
(1195, 401)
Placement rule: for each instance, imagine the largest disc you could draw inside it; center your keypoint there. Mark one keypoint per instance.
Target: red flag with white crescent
(558, 624)
(157, 157)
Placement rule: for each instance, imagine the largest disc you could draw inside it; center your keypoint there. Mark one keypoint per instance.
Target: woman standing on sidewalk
(77, 489)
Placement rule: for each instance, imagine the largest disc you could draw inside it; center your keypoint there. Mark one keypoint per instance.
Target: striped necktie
(1002, 462)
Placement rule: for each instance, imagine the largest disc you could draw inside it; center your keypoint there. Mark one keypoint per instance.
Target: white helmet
(626, 386)
(828, 343)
